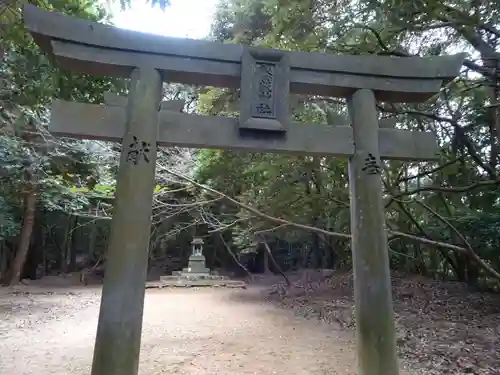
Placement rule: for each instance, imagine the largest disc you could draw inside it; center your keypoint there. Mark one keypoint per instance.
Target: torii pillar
(119, 328)
(375, 331)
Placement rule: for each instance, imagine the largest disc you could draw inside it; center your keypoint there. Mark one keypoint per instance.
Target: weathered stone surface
(120, 318)
(154, 285)
(105, 50)
(114, 100)
(186, 276)
(93, 121)
(372, 286)
(196, 265)
(265, 85)
(197, 275)
(204, 283)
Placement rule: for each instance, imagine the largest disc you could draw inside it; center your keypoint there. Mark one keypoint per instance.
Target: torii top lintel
(100, 49)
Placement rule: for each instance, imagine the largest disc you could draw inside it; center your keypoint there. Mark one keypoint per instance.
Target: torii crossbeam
(265, 78)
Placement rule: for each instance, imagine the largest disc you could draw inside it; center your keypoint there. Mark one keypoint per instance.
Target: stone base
(196, 271)
(196, 284)
(196, 264)
(192, 279)
(203, 283)
(192, 276)
(196, 275)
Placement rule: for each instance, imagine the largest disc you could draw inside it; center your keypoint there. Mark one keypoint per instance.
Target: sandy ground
(185, 331)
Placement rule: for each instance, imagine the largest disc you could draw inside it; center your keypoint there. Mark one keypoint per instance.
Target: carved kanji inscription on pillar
(137, 150)
(264, 92)
(371, 166)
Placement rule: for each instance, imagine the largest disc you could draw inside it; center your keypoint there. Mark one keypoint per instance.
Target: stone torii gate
(265, 78)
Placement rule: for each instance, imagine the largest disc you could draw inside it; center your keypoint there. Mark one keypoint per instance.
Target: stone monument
(196, 263)
(196, 273)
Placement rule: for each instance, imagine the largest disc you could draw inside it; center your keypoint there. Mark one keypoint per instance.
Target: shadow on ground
(442, 328)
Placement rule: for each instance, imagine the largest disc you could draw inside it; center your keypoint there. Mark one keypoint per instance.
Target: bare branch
(392, 233)
(234, 257)
(268, 250)
(257, 212)
(459, 189)
(434, 170)
(259, 232)
(469, 250)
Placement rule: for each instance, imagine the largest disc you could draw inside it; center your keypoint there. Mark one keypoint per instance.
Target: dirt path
(199, 332)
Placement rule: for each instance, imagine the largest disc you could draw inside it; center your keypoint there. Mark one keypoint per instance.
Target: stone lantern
(196, 264)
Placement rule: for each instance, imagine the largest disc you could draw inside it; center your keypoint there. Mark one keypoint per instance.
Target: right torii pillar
(376, 344)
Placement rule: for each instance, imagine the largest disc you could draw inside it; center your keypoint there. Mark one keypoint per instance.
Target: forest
(443, 217)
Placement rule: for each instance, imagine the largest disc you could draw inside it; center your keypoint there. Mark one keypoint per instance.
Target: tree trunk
(14, 274)
(67, 244)
(461, 270)
(275, 264)
(92, 240)
(72, 245)
(43, 242)
(329, 253)
(314, 180)
(3, 259)
(472, 272)
(33, 257)
(317, 248)
(266, 262)
(235, 258)
(44, 252)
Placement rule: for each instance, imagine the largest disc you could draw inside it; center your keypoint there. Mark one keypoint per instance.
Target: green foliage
(482, 230)
(9, 223)
(29, 81)
(313, 190)
(307, 190)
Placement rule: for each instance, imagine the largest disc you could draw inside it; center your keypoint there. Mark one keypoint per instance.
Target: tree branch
(469, 250)
(392, 233)
(255, 211)
(460, 189)
(259, 232)
(235, 258)
(434, 170)
(268, 250)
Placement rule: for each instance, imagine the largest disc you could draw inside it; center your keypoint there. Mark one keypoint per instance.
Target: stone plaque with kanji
(265, 87)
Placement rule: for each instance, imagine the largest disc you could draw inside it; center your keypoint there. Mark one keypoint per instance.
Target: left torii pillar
(118, 340)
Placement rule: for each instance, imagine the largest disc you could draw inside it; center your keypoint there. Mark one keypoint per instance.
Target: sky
(184, 18)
